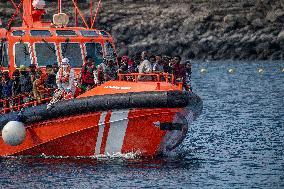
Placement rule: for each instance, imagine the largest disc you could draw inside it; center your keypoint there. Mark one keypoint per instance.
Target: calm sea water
(238, 142)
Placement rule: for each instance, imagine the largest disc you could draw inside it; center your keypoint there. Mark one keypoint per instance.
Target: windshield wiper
(64, 49)
(52, 49)
(26, 52)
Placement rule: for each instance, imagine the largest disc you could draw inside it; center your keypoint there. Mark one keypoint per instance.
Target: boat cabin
(40, 43)
(41, 46)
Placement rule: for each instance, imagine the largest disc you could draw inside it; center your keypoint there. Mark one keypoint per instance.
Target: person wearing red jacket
(179, 70)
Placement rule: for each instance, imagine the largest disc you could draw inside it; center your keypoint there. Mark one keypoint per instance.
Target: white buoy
(283, 70)
(260, 70)
(203, 70)
(231, 70)
(14, 133)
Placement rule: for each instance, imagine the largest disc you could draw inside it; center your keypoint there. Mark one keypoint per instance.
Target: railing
(16, 103)
(156, 77)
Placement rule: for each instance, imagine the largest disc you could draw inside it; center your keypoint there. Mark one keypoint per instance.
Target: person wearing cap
(65, 80)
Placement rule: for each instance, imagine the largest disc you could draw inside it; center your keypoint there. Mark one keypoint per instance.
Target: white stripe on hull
(118, 126)
(101, 126)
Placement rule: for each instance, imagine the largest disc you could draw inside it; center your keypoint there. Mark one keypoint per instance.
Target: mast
(27, 13)
(59, 6)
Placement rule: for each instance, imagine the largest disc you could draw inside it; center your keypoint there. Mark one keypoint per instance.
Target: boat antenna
(97, 11)
(59, 6)
(91, 12)
(80, 14)
(15, 14)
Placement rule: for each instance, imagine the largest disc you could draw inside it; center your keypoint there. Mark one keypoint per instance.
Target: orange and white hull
(109, 132)
(116, 117)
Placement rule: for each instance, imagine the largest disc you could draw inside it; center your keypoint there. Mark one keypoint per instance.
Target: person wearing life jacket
(88, 76)
(65, 80)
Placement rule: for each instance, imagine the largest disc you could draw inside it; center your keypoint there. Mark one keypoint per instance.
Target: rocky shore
(200, 29)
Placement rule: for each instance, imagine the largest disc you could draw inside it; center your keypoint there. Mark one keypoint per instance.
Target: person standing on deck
(179, 70)
(16, 87)
(50, 81)
(188, 75)
(6, 84)
(88, 76)
(110, 71)
(145, 66)
(26, 84)
(158, 65)
(65, 78)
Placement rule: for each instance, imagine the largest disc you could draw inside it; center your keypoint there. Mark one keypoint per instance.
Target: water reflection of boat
(118, 116)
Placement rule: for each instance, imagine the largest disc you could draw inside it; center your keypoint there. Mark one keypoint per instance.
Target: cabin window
(109, 50)
(45, 53)
(18, 33)
(95, 50)
(73, 52)
(4, 61)
(40, 33)
(89, 33)
(66, 33)
(103, 33)
(22, 54)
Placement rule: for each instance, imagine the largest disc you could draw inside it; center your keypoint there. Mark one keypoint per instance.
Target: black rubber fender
(152, 99)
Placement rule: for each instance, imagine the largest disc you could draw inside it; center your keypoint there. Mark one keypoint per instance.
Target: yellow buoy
(231, 70)
(283, 70)
(203, 70)
(260, 70)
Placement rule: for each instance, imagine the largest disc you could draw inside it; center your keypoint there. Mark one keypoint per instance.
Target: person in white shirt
(145, 66)
(65, 80)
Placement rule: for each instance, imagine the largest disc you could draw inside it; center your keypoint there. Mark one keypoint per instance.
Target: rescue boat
(123, 116)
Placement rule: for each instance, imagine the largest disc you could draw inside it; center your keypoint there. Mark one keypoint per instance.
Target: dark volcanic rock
(212, 29)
